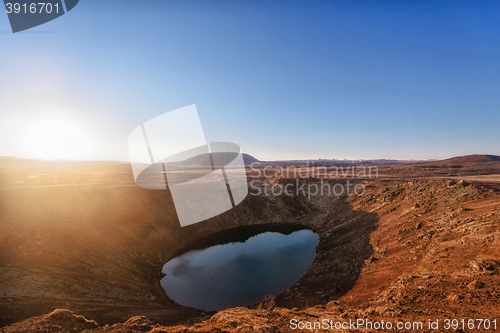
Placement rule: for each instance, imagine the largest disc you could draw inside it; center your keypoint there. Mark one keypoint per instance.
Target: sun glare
(57, 139)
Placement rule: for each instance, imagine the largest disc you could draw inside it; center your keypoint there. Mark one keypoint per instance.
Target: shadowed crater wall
(84, 237)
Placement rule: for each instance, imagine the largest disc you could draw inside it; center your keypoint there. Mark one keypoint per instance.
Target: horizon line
(276, 160)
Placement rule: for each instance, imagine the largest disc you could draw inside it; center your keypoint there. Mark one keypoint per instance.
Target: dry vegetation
(421, 243)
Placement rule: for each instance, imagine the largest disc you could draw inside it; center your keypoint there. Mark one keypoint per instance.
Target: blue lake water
(242, 273)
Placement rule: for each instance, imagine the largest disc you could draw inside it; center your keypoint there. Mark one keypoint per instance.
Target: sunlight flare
(57, 139)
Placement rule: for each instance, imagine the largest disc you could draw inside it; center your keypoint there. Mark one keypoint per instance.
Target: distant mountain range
(221, 158)
(226, 157)
(470, 159)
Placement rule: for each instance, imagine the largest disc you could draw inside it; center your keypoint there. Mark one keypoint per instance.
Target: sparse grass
(267, 304)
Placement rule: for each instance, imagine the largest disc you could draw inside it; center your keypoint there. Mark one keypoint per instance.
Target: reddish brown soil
(419, 244)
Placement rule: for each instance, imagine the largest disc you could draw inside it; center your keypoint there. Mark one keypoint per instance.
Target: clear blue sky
(283, 79)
